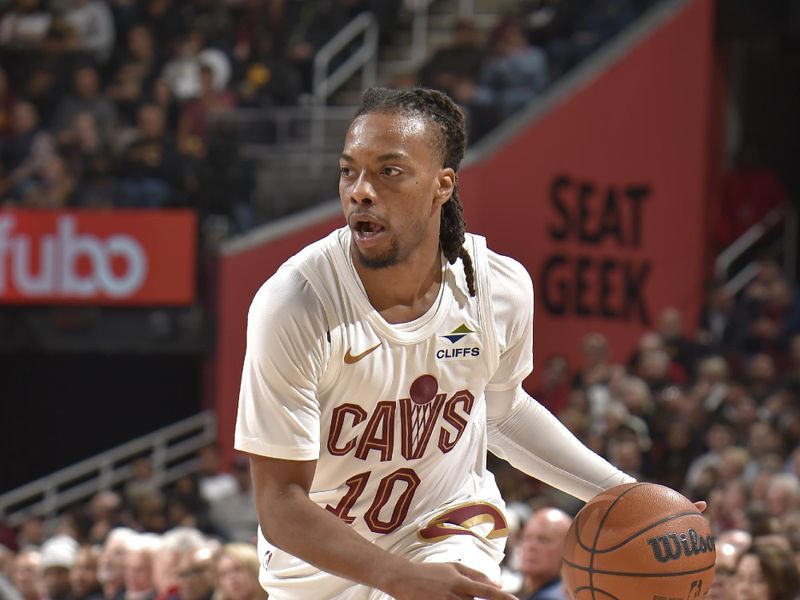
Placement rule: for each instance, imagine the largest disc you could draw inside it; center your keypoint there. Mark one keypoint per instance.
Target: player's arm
(520, 429)
(527, 435)
(292, 522)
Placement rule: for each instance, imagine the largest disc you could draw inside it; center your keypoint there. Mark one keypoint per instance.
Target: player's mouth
(366, 230)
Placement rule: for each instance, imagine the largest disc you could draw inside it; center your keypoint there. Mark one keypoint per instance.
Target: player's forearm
(295, 524)
(537, 443)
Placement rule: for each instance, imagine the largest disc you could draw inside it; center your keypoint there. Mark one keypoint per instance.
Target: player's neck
(406, 291)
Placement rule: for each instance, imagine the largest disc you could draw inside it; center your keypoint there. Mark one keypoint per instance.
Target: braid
(450, 142)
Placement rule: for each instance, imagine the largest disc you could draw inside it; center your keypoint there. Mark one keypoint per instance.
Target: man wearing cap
(58, 558)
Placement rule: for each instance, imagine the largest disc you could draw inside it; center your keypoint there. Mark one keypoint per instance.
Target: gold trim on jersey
(461, 518)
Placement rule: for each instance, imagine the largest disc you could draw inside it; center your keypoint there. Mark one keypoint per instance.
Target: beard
(388, 258)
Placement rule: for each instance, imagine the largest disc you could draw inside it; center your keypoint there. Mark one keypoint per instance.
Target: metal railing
(786, 245)
(364, 58)
(171, 450)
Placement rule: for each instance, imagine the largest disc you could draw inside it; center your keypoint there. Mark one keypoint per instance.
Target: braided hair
(450, 142)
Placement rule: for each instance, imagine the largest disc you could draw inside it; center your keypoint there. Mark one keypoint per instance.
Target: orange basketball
(639, 541)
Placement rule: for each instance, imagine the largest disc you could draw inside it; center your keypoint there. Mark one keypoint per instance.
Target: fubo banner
(97, 257)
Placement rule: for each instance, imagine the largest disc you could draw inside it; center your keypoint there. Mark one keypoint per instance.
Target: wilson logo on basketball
(673, 546)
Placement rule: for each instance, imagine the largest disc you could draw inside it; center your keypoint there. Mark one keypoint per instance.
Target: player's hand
(443, 581)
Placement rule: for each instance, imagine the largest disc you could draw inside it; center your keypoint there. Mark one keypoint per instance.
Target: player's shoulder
(288, 291)
(291, 289)
(504, 270)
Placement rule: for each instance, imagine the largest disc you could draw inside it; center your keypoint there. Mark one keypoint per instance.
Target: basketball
(639, 541)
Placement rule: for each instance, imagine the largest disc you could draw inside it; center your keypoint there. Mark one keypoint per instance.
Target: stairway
(295, 175)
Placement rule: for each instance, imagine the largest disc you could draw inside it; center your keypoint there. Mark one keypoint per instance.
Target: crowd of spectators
(121, 103)
(116, 103)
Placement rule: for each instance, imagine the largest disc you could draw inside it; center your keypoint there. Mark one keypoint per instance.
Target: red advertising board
(604, 198)
(101, 257)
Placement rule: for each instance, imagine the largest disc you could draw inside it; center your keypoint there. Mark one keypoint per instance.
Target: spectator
(626, 454)
(135, 72)
(89, 157)
(764, 443)
(86, 96)
(197, 574)
(264, 77)
(139, 581)
(104, 512)
(555, 390)
(635, 395)
(54, 188)
(542, 543)
(175, 544)
(83, 576)
(234, 514)
(680, 349)
(150, 167)
(213, 481)
(58, 558)
(24, 155)
(718, 437)
(185, 507)
(782, 495)
(197, 117)
(456, 65)
(166, 20)
(237, 573)
(142, 482)
(111, 563)
(766, 572)
(513, 74)
(596, 368)
(716, 324)
(31, 533)
(182, 72)
(27, 575)
(24, 27)
(94, 24)
(725, 570)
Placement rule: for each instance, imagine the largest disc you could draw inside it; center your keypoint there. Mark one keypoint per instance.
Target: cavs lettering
(426, 414)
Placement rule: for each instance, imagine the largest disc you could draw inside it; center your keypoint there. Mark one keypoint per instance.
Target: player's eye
(345, 171)
(390, 171)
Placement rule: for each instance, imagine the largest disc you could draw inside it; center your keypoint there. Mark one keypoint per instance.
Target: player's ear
(446, 183)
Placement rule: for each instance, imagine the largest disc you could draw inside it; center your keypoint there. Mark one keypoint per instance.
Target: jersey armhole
(480, 259)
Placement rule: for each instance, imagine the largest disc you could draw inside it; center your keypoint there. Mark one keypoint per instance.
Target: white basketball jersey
(394, 414)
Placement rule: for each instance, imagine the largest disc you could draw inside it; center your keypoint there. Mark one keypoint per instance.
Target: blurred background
(160, 158)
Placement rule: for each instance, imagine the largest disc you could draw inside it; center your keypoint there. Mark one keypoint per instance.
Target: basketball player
(379, 371)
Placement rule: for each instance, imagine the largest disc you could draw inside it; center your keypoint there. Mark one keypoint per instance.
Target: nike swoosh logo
(349, 359)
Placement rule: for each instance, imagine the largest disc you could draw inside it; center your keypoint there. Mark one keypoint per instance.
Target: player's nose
(362, 191)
